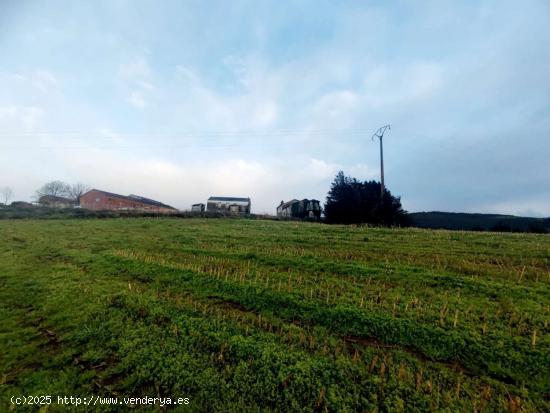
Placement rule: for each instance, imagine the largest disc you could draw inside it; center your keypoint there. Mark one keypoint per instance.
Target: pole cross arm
(380, 132)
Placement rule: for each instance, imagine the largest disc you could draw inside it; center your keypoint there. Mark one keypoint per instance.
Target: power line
(85, 139)
(187, 134)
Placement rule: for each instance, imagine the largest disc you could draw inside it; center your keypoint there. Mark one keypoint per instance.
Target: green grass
(244, 315)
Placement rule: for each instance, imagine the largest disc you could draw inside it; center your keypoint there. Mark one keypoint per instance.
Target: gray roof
(55, 198)
(134, 198)
(293, 201)
(228, 198)
(287, 203)
(148, 201)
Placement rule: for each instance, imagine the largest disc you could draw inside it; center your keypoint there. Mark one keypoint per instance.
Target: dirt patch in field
(233, 305)
(371, 342)
(52, 344)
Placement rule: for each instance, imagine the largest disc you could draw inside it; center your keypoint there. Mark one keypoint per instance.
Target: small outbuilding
(21, 204)
(197, 208)
(54, 201)
(306, 208)
(228, 205)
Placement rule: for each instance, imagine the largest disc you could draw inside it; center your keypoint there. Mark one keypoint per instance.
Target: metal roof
(287, 203)
(54, 198)
(228, 199)
(134, 198)
(148, 201)
(293, 201)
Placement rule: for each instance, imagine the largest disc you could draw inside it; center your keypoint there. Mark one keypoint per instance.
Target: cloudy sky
(180, 100)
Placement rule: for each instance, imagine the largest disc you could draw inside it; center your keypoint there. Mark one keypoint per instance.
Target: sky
(182, 100)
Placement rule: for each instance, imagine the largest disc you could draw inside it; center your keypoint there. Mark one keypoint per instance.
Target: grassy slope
(282, 316)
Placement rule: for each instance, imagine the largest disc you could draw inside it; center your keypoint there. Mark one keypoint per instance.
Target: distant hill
(479, 222)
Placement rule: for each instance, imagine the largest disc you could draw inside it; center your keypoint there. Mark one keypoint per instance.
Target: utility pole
(380, 134)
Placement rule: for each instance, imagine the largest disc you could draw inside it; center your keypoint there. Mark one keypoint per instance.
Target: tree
(350, 201)
(62, 189)
(54, 188)
(76, 190)
(6, 193)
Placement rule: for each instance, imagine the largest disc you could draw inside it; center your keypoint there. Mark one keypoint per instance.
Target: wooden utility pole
(380, 134)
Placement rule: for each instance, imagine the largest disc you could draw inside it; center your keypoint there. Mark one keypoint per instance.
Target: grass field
(245, 315)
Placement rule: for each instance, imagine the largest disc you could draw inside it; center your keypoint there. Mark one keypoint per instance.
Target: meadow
(255, 315)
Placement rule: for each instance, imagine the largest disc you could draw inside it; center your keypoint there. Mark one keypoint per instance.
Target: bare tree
(54, 188)
(6, 193)
(76, 190)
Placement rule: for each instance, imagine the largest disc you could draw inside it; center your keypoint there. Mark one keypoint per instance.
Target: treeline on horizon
(349, 201)
(479, 222)
(428, 220)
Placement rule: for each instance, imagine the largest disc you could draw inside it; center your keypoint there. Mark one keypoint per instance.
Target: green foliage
(350, 201)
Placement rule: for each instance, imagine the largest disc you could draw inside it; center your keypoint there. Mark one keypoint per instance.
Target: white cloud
(135, 70)
(266, 113)
(255, 107)
(136, 99)
(7, 76)
(145, 85)
(15, 117)
(337, 108)
(137, 75)
(111, 135)
(412, 82)
(44, 80)
(8, 111)
(323, 170)
(326, 170)
(187, 73)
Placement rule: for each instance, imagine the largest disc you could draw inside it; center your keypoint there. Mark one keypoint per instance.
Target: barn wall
(99, 201)
(229, 207)
(305, 208)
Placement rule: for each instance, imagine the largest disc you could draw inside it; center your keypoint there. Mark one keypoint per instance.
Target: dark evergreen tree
(350, 201)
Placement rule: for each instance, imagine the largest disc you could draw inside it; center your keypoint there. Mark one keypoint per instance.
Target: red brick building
(97, 200)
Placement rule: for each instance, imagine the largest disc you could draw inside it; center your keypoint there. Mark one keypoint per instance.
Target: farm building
(228, 205)
(54, 201)
(306, 208)
(197, 208)
(101, 200)
(21, 204)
